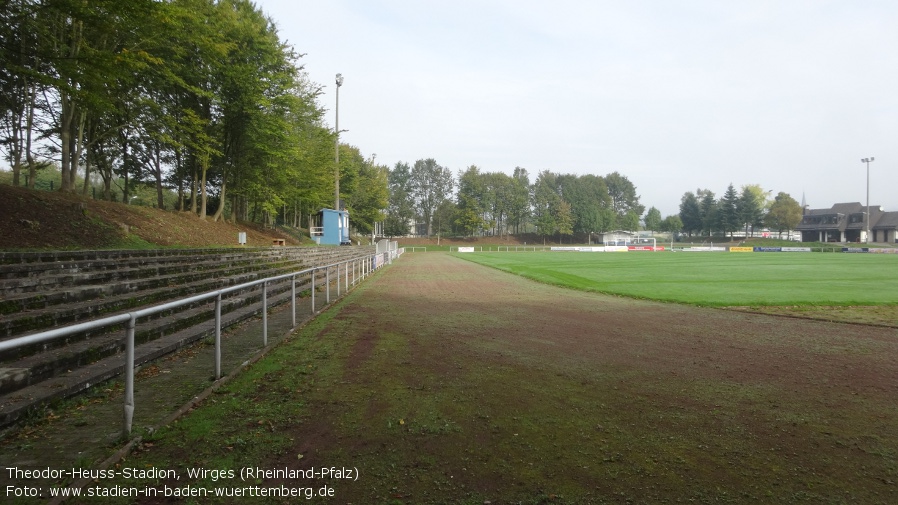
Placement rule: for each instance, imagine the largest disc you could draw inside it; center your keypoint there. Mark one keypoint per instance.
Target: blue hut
(334, 229)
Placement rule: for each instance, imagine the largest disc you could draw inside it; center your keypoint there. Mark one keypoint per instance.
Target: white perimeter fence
(351, 271)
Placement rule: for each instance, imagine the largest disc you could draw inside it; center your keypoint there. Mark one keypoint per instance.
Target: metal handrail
(364, 264)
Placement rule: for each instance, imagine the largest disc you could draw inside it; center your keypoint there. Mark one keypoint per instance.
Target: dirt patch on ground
(54, 220)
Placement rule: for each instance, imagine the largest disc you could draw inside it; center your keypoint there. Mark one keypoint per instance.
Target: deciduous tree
(653, 219)
(784, 214)
(431, 185)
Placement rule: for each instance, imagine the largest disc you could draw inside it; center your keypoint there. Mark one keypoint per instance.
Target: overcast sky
(675, 95)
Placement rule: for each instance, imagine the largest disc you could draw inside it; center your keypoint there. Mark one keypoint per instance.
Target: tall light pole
(867, 161)
(337, 147)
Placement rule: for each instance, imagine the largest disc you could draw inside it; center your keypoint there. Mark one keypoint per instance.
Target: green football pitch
(714, 279)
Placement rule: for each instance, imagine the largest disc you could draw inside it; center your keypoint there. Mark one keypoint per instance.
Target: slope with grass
(52, 220)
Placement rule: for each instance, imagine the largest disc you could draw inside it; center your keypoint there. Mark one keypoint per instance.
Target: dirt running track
(456, 383)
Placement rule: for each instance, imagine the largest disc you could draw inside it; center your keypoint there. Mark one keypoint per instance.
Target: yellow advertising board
(742, 249)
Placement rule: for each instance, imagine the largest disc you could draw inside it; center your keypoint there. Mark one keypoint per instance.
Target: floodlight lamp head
(339, 80)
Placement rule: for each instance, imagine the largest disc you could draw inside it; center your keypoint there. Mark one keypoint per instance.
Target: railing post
(327, 282)
(265, 313)
(218, 336)
(346, 277)
(313, 291)
(293, 299)
(338, 280)
(129, 374)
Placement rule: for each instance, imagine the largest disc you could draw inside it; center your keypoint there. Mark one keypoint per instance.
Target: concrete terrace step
(71, 382)
(27, 313)
(163, 276)
(80, 352)
(25, 279)
(56, 315)
(51, 372)
(118, 286)
(30, 277)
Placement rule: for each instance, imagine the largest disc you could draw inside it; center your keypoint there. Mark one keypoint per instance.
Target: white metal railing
(361, 268)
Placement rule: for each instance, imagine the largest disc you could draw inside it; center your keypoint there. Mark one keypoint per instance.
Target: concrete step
(44, 373)
(56, 276)
(81, 351)
(105, 300)
(89, 291)
(16, 404)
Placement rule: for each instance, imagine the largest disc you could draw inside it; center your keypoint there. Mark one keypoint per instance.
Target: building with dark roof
(845, 222)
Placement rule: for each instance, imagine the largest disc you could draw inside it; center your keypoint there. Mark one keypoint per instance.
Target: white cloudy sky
(675, 95)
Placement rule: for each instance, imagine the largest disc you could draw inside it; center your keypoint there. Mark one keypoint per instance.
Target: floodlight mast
(337, 147)
(867, 217)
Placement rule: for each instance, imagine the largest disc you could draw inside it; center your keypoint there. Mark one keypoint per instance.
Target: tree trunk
(204, 166)
(88, 159)
(157, 173)
(193, 189)
(32, 165)
(16, 153)
(77, 149)
(67, 114)
(178, 169)
(221, 200)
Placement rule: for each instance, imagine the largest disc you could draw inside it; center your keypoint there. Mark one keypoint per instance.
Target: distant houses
(845, 222)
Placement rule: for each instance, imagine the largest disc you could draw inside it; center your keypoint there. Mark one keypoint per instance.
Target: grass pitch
(714, 279)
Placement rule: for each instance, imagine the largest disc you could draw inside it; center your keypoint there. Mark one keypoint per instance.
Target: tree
(201, 95)
(500, 190)
(590, 202)
(751, 206)
(564, 220)
(672, 224)
(470, 197)
(728, 216)
(784, 214)
(19, 86)
(431, 185)
(624, 200)
(545, 200)
(444, 217)
(709, 210)
(400, 208)
(519, 199)
(690, 214)
(653, 219)
(369, 197)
